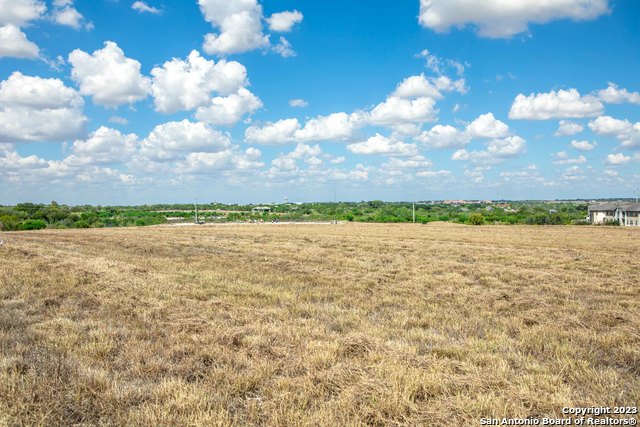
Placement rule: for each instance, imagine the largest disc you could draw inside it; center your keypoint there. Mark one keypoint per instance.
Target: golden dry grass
(294, 325)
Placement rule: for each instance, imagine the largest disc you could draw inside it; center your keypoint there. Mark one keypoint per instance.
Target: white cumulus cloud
(496, 152)
(20, 12)
(228, 110)
(283, 22)
(118, 120)
(555, 105)
(284, 163)
(37, 93)
(169, 140)
(442, 66)
(209, 163)
(334, 127)
(607, 125)
(14, 43)
(38, 109)
(413, 162)
(202, 163)
(504, 18)
(108, 76)
(446, 136)
(379, 144)
(434, 174)
(564, 159)
(280, 132)
(567, 127)
(143, 7)
(447, 84)
(105, 146)
(626, 132)
(618, 159)
(487, 126)
(240, 25)
(186, 85)
(298, 103)
(13, 15)
(398, 111)
(507, 147)
(443, 136)
(68, 15)
(615, 95)
(283, 48)
(309, 154)
(583, 145)
(416, 87)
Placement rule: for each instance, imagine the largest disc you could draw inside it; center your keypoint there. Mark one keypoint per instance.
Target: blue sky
(131, 102)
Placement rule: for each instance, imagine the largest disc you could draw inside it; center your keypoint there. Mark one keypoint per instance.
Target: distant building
(625, 213)
(261, 209)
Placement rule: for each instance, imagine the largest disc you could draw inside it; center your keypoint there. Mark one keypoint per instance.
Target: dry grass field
(306, 325)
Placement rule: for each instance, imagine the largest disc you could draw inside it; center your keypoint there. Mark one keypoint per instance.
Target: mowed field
(287, 325)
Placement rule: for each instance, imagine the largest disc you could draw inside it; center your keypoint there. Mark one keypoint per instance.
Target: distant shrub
(581, 222)
(555, 219)
(81, 224)
(544, 219)
(9, 223)
(476, 219)
(33, 224)
(614, 222)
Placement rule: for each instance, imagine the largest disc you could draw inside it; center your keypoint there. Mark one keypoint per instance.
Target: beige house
(625, 213)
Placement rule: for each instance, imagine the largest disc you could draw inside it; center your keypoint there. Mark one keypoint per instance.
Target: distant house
(625, 213)
(261, 209)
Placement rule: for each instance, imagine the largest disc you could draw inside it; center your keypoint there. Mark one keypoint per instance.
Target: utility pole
(637, 194)
(413, 196)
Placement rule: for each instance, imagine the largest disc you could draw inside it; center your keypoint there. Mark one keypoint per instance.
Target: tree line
(32, 216)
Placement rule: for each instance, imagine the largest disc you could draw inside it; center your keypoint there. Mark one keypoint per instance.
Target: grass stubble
(294, 325)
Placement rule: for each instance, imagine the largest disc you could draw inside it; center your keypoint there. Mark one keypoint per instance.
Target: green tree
(476, 219)
(9, 223)
(33, 224)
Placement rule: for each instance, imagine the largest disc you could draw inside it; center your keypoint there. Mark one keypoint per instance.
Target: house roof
(630, 207)
(627, 207)
(603, 207)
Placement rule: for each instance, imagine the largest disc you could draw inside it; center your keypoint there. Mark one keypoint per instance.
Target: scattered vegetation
(23, 215)
(351, 324)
